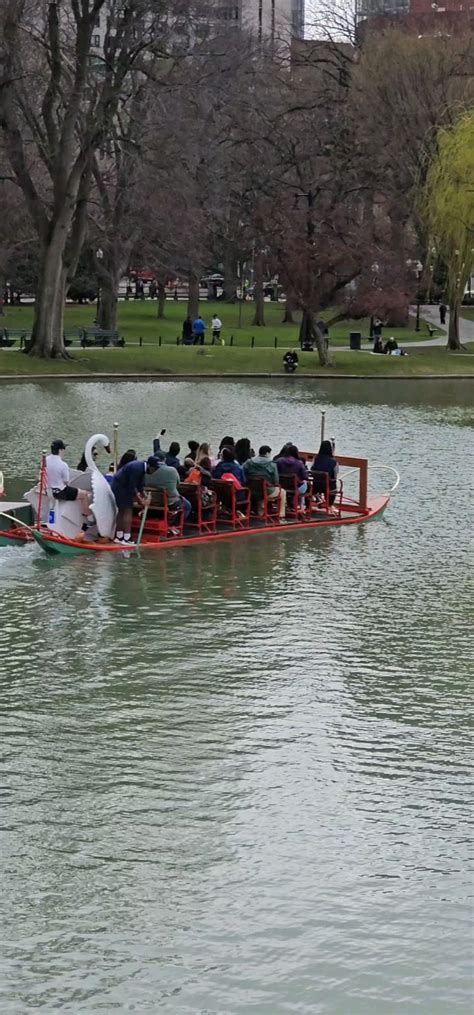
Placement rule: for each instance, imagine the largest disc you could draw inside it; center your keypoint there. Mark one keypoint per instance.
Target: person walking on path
(216, 331)
(199, 330)
(442, 313)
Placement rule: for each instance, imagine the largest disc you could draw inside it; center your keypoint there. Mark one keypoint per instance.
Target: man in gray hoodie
(262, 467)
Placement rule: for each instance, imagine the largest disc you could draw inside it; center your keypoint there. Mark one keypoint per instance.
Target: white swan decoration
(103, 505)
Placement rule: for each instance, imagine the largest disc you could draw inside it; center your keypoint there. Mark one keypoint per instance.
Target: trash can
(355, 338)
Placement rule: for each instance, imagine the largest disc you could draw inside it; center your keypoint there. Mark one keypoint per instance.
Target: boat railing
(359, 465)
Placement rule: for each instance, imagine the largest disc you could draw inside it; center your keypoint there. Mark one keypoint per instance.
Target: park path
(431, 314)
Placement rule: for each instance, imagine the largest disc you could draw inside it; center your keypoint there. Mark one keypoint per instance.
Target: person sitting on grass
(290, 361)
(390, 346)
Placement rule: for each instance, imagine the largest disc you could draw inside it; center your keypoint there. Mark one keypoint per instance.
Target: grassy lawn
(137, 319)
(153, 361)
(468, 313)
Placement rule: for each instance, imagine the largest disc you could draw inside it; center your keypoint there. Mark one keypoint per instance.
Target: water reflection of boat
(156, 534)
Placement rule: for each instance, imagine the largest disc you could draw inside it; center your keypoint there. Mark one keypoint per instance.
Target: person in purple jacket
(290, 464)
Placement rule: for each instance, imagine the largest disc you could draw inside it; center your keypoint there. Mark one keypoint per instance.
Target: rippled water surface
(236, 777)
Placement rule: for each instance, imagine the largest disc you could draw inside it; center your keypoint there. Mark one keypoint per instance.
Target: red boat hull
(55, 544)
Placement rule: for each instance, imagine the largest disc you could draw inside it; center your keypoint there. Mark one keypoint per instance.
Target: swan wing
(103, 505)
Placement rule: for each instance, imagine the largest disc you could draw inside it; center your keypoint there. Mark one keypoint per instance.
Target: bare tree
(60, 96)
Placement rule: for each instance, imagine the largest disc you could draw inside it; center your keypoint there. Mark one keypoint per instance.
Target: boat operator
(127, 486)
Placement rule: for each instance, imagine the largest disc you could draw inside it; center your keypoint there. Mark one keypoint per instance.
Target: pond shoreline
(233, 377)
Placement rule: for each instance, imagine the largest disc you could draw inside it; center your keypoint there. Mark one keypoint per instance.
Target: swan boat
(59, 523)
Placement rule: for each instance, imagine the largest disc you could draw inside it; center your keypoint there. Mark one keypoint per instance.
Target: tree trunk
(108, 303)
(259, 318)
(311, 335)
(161, 301)
(47, 333)
(193, 297)
(454, 340)
(231, 282)
(288, 312)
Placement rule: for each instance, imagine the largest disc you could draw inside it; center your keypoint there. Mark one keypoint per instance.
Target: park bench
(100, 337)
(5, 341)
(9, 336)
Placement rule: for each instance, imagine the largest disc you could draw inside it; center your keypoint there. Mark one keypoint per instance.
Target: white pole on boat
(115, 446)
(42, 489)
(323, 424)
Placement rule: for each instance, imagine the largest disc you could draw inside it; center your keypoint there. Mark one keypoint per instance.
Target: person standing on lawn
(199, 330)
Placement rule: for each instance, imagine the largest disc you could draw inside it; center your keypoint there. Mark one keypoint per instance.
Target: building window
(96, 40)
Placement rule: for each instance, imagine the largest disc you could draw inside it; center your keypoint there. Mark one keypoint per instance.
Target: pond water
(236, 777)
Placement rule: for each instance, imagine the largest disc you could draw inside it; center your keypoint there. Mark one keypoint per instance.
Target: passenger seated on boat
(325, 462)
(127, 486)
(282, 453)
(193, 449)
(229, 469)
(290, 464)
(204, 456)
(229, 466)
(166, 477)
(200, 474)
(243, 450)
(262, 467)
(128, 456)
(226, 442)
(82, 465)
(170, 456)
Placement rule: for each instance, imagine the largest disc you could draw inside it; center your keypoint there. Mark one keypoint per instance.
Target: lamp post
(99, 256)
(306, 342)
(419, 273)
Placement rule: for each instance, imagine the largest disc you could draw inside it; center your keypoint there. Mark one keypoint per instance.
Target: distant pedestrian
(442, 313)
(377, 328)
(216, 330)
(199, 330)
